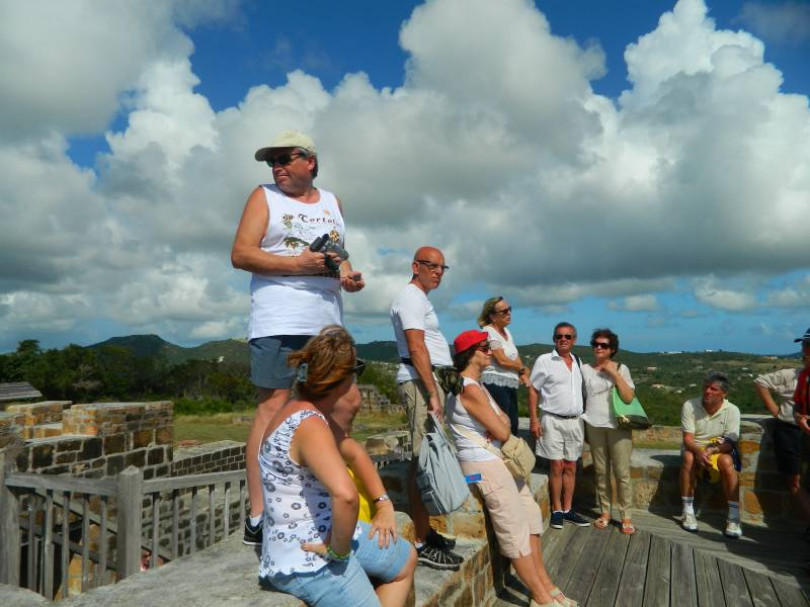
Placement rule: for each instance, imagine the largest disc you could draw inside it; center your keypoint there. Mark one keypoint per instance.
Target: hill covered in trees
(214, 376)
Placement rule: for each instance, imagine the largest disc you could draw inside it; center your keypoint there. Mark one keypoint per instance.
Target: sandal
(627, 527)
(602, 522)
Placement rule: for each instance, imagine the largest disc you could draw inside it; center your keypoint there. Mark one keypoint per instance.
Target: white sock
(688, 505)
(734, 511)
(255, 520)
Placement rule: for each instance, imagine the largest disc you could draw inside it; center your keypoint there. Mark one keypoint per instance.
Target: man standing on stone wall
(422, 347)
(556, 384)
(294, 291)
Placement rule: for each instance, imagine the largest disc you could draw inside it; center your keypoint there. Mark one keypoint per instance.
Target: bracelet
(383, 498)
(334, 556)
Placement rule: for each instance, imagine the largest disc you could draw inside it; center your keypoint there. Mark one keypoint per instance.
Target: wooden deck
(662, 565)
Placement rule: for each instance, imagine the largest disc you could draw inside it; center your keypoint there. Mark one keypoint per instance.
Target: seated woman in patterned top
(313, 547)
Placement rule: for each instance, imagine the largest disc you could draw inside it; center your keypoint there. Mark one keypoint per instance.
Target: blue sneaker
(576, 519)
(557, 520)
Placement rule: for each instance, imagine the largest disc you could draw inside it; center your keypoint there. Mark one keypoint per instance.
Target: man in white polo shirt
(422, 348)
(556, 382)
(711, 427)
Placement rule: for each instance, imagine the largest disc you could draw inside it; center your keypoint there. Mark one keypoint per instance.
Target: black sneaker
(557, 520)
(438, 559)
(573, 517)
(253, 535)
(436, 539)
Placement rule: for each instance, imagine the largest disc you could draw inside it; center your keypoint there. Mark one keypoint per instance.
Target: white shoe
(733, 529)
(689, 521)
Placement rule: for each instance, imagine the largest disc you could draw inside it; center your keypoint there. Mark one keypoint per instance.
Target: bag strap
(582, 378)
(475, 437)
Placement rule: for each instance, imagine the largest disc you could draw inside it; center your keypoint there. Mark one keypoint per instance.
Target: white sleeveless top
(297, 506)
(468, 450)
(296, 305)
(494, 373)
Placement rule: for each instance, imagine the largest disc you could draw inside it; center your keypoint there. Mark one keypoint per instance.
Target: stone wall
(219, 456)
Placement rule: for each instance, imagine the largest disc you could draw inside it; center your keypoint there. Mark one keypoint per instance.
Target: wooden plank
(226, 530)
(789, 595)
(193, 521)
(65, 543)
(761, 589)
(631, 586)
(32, 546)
(61, 482)
(175, 522)
(47, 548)
(583, 573)
(656, 587)
(567, 560)
(734, 586)
(606, 582)
(684, 582)
(153, 560)
(105, 539)
(9, 530)
(130, 501)
(707, 576)
(212, 514)
(159, 485)
(553, 544)
(85, 543)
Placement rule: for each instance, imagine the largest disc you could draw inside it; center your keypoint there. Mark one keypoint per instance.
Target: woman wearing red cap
(475, 421)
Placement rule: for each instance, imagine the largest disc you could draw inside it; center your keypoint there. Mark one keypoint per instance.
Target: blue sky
(640, 165)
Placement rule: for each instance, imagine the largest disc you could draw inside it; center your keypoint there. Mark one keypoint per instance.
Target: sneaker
(438, 559)
(733, 529)
(557, 520)
(689, 521)
(576, 519)
(442, 542)
(253, 535)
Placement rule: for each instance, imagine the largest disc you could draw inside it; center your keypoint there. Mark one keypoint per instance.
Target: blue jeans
(346, 584)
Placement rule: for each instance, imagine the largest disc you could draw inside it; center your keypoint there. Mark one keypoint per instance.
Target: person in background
(776, 390)
(421, 348)
(313, 547)
(507, 371)
(556, 385)
(474, 418)
(711, 429)
(611, 447)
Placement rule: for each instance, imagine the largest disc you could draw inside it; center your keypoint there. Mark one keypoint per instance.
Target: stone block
(115, 464)
(748, 447)
(142, 439)
(22, 460)
(41, 456)
(115, 444)
(91, 448)
(763, 503)
(164, 436)
(65, 458)
(136, 458)
(155, 456)
(464, 524)
(73, 444)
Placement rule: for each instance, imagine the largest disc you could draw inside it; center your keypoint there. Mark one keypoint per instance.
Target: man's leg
(730, 480)
(555, 484)
(688, 478)
(569, 479)
(270, 401)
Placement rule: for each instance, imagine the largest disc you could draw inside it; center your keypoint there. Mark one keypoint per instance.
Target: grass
(235, 426)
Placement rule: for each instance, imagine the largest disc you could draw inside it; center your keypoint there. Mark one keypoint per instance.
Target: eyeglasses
(432, 266)
(484, 347)
(283, 159)
(505, 311)
(359, 367)
(560, 336)
(597, 345)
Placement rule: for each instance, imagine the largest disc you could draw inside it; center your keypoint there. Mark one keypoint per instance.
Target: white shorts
(561, 439)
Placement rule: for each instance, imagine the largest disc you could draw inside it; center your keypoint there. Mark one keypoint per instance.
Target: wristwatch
(383, 498)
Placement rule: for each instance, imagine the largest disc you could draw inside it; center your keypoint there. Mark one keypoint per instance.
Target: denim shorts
(347, 583)
(268, 360)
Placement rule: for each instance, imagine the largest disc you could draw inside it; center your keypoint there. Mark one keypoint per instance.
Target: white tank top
(296, 305)
(469, 450)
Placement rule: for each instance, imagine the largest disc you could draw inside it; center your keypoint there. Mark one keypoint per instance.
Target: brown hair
(324, 362)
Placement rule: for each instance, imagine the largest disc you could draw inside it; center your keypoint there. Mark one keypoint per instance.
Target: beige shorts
(514, 513)
(414, 397)
(561, 439)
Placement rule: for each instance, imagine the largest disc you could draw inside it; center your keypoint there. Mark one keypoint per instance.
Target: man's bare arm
(420, 358)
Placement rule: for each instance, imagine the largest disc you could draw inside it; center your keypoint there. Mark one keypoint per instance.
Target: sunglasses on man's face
(283, 159)
(560, 336)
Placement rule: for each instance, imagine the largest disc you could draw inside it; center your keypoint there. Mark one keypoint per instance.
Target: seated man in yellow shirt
(711, 427)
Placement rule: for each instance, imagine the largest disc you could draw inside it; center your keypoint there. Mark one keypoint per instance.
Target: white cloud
(495, 149)
(636, 303)
(708, 292)
(783, 22)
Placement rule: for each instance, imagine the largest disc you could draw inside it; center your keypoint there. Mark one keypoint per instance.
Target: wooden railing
(48, 522)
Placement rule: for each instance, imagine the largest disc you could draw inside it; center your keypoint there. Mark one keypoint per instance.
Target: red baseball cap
(468, 339)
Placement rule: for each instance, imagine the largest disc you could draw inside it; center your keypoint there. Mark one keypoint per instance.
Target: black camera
(323, 244)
